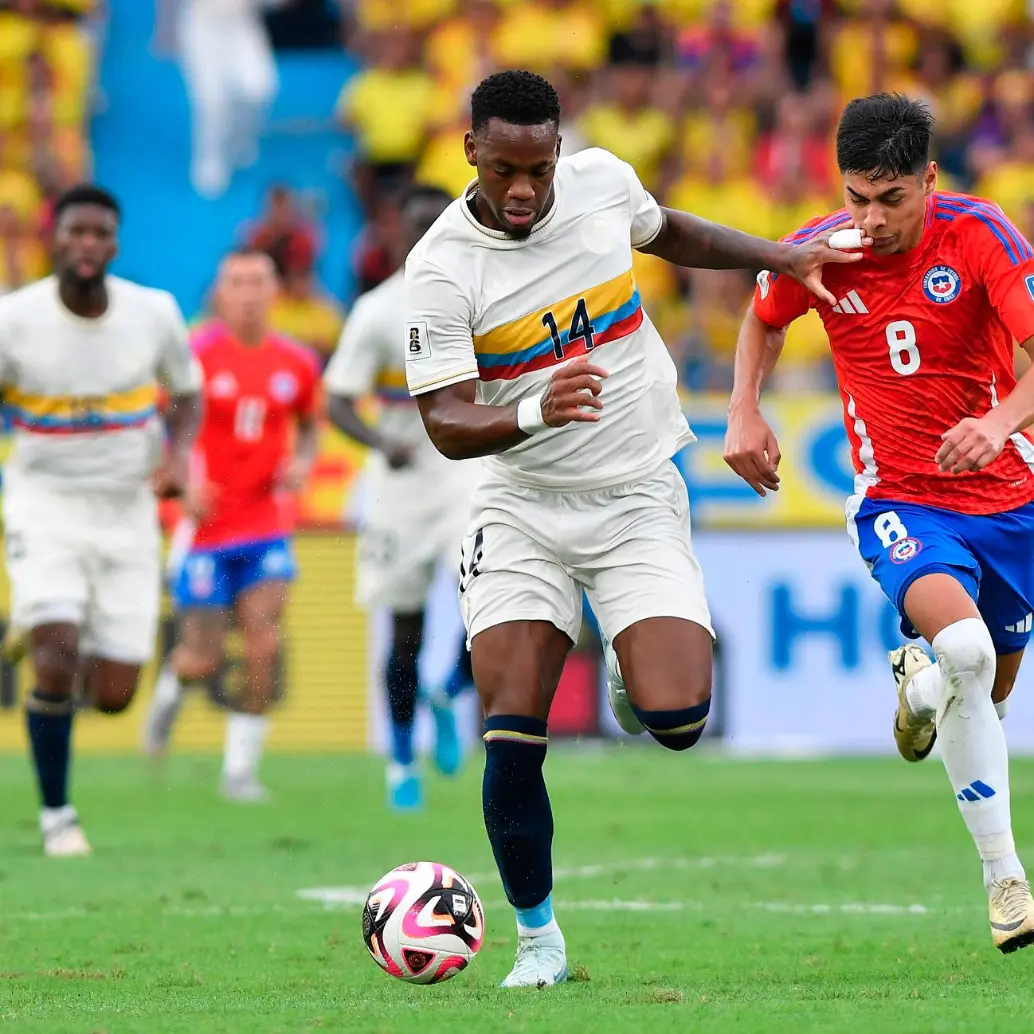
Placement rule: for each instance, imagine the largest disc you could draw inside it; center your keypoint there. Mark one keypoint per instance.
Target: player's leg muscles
(259, 611)
(666, 665)
(1006, 671)
(110, 685)
(199, 646)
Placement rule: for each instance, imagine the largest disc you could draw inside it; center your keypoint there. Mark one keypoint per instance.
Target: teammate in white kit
(419, 504)
(519, 281)
(82, 356)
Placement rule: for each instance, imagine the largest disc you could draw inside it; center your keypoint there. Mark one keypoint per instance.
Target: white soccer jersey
(370, 360)
(83, 393)
(482, 304)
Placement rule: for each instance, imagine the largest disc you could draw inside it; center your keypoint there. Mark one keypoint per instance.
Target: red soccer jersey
(920, 341)
(253, 398)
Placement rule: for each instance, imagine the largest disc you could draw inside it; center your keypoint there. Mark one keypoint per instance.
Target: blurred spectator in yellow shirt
(392, 106)
(462, 50)
(23, 258)
(304, 311)
(1010, 182)
(443, 163)
(791, 203)
(873, 50)
(545, 34)
(716, 194)
(381, 15)
(627, 123)
(721, 124)
(717, 48)
(954, 97)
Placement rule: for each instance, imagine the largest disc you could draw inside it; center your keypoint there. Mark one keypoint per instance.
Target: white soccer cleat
(617, 697)
(63, 837)
(245, 789)
(1011, 911)
(541, 962)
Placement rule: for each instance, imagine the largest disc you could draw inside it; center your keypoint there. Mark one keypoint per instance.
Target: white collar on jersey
(498, 235)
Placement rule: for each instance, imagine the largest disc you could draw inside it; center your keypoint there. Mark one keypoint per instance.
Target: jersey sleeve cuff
(444, 381)
(652, 236)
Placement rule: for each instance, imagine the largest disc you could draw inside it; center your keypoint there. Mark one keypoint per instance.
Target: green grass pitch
(696, 893)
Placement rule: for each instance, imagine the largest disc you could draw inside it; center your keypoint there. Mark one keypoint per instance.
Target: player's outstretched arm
(343, 414)
(461, 429)
(751, 448)
(687, 240)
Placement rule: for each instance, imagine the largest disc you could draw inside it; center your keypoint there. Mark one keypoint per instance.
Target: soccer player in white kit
(521, 281)
(419, 504)
(82, 357)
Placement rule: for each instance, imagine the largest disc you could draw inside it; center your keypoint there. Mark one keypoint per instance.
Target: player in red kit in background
(922, 335)
(255, 449)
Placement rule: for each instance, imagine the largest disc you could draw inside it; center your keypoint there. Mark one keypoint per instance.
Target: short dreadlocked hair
(884, 136)
(518, 97)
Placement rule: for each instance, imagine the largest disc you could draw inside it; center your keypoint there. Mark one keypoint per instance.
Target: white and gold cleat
(914, 734)
(1011, 911)
(617, 696)
(63, 837)
(541, 962)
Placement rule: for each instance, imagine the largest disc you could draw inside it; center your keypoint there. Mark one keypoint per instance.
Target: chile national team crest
(905, 549)
(283, 386)
(941, 284)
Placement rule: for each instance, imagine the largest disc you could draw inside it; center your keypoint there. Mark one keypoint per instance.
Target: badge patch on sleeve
(418, 345)
(764, 283)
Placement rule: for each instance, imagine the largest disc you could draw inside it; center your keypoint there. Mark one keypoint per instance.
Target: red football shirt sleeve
(779, 299)
(1003, 261)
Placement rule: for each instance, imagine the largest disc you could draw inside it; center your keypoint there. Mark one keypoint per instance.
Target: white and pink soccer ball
(423, 922)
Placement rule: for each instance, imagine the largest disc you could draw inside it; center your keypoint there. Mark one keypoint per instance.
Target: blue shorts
(992, 555)
(217, 577)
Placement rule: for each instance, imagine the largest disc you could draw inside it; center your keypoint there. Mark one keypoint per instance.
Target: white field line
(342, 896)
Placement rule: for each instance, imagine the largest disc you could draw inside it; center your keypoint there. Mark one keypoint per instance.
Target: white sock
(973, 745)
(167, 688)
(551, 929)
(1002, 708)
(51, 818)
(925, 690)
(245, 738)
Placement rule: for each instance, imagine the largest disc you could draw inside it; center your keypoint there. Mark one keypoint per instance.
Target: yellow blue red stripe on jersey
(82, 414)
(523, 345)
(391, 387)
(512, 736)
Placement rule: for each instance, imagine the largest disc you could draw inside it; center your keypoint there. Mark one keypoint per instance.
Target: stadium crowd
(724, 108)
(46, 82)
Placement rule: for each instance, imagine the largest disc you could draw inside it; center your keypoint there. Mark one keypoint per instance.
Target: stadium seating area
(724, 108)
(46, 79)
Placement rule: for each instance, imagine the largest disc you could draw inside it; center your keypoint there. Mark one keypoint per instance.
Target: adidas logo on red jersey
(851, 303)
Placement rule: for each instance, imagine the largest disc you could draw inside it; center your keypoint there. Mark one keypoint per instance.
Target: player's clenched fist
(752, 451)
(573, 394)
(972, 444)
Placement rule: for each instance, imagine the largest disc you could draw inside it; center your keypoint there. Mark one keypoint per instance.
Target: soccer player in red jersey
(255, 449)
(922, 337)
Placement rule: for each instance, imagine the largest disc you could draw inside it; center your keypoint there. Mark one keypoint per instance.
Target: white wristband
(529, 415)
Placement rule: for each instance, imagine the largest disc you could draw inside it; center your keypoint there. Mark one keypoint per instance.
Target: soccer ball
(423, 922)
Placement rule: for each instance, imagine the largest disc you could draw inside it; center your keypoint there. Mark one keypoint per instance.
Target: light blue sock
(402, 742)
(537, 917)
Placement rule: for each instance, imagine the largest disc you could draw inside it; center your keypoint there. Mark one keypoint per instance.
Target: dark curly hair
(884, 136)
(518, 97)
(87, 194)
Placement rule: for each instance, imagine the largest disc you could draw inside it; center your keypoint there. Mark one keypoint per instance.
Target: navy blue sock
(400, 680)
(49, 721)
(461, 677)
(676, 730)
(518, 818)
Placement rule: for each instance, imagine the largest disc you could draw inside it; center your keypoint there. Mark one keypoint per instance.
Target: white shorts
(91, 559)
(529, 554)
(412, 528)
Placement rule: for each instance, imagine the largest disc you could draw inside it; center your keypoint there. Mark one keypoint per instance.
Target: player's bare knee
(56, 664)
(192, 665)
(114, 699)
